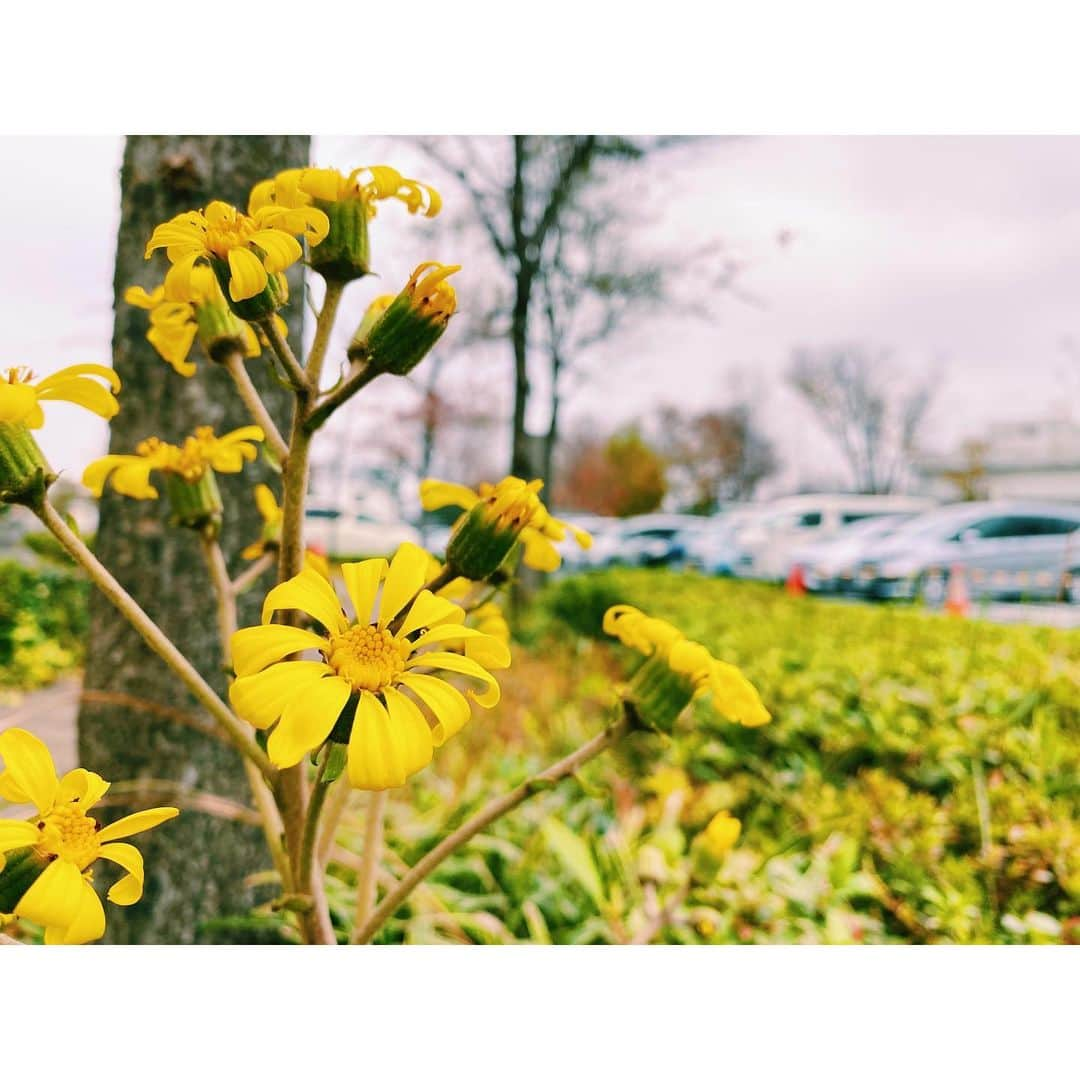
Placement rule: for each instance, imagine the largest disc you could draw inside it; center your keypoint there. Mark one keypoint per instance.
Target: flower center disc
(366, 657)
(72, 835)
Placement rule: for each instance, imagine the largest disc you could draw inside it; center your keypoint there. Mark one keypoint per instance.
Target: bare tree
(715, 456)
(556, 248)
(865, 407)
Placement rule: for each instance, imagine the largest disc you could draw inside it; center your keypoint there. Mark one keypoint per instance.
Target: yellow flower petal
(311, 593)
(539, 552)
(280, 250)
(362, 584)
(247, 276)
(260, 699)
(430, 610)
(383, 751)
(435, 494)
(446, 661)
(138, 822)
(55, 898)
(307, 720)
(30, 766)
(489, 646)
(18, 405)
(89, 922)
(130, 887)
(17, 834)
(448, 705)
(403, 580)
(130, 476)
(266, 504)
(256, 647)
(81, 786)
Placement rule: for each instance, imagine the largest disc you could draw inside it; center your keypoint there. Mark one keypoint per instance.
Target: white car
(347, 535)
(787, 524)
(827, 564)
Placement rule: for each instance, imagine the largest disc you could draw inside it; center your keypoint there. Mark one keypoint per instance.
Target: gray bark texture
(196, 864)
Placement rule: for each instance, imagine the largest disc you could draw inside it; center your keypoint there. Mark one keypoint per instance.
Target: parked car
(1005, 549)
(645, 540)
(713, 548)
(343, 534)
(827, 564)
(789, 523)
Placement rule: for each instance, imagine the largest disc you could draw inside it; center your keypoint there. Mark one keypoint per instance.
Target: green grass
(918, 782)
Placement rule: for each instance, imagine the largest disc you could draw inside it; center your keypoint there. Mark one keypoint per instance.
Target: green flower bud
(25, 475)
(196, 504)
(345, 254)
(397, 333)
(486, 535)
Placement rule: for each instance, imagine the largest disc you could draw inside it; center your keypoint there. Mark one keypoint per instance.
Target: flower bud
(486, 535)
(25, 475)
(19, 870)
(713, 843)
(345, 254)
(394, 337)
(658, 694)
(196, 504)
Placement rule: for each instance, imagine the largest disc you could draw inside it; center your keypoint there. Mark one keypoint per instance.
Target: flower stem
(234, 365)
(287, 358)
(494, 810)
(152, 634)
(324, 324)
(242, 582)
(333, 401)
(269, 815)
(373, 840)
(307, 864)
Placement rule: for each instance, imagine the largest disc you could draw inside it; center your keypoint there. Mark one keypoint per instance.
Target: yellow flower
(343, 254)
(377, 670)
(273, 518)
(200, 454)
(20, 396)
(295, 188)
(678, 670)
(513, 505)
(62, 842)
(713, 843)
(246, 252)
(174, 324)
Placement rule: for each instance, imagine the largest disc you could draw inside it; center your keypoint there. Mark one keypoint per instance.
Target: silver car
(1006, 549)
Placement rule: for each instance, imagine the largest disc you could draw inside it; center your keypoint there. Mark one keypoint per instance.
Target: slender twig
(285, 355)
(152, 634)
(336, 802)
(492, 812)
(234, 365)
(373, 842)
(323, 325)
(244, 581)
(269, 815)
(337, 397)
(308, 868)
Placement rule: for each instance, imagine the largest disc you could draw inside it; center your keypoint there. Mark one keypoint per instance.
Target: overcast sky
(961, 255)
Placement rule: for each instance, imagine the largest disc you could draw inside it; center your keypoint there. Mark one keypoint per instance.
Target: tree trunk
(196, 865)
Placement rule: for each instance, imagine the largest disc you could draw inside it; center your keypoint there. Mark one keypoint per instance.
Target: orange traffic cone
(796, 581)
(957, 600)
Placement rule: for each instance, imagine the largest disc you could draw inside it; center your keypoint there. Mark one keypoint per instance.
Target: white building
(1036, 459)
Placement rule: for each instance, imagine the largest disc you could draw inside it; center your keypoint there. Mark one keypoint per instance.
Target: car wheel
(932, 588)
(1072, 587)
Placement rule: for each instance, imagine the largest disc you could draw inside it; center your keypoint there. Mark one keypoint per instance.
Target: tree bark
(196, 865)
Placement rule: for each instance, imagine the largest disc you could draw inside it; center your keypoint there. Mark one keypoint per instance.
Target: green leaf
(576, 858)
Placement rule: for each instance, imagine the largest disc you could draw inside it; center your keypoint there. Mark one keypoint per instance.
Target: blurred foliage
(919, 783)
(619, 476)
(43, 624)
